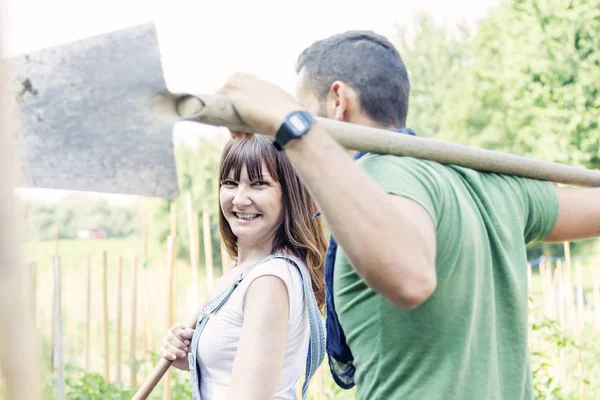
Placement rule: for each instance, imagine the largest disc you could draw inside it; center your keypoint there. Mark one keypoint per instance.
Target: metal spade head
(95, 115)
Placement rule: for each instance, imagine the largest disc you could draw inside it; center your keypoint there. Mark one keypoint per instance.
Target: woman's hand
(175, 346)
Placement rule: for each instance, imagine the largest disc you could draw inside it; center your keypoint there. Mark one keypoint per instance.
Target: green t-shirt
(469, 339)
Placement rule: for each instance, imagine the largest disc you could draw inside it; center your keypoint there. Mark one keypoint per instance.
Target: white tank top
(219, 341)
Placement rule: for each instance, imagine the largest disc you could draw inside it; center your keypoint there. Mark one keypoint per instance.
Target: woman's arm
(259, 359)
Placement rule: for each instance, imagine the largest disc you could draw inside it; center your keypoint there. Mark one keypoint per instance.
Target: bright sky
(202, 42)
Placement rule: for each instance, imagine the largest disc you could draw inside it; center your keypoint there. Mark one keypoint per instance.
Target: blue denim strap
(316, 346)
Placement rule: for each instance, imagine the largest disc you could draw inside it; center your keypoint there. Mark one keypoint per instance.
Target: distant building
(92, 233)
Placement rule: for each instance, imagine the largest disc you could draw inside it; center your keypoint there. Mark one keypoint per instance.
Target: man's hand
(260, 104)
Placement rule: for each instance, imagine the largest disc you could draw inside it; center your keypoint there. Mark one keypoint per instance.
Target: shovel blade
(95, 115)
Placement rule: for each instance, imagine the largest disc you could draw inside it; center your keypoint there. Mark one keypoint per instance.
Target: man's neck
(366, 121)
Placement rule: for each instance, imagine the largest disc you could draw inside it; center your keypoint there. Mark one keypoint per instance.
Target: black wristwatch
(295, 125)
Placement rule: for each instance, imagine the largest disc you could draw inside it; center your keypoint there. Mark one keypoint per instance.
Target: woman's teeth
(247, 216)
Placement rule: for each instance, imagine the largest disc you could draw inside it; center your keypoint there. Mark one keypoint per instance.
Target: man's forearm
(385, 243)
(579, 215)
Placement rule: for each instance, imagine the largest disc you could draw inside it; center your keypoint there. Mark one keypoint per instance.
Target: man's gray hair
(370, 64)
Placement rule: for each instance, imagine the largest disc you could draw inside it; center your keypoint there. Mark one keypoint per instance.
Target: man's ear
(338, 100)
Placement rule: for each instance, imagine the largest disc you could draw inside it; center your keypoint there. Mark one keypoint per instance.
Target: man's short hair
(370, 64)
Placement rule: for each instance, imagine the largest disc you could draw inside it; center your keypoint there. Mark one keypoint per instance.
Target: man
(431, 284)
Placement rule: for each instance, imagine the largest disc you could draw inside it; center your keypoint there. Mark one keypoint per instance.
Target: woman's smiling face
(253, 208)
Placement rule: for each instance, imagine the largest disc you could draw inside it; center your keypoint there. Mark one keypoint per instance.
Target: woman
(255, 346)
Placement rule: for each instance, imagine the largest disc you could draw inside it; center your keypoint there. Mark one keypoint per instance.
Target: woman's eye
(228, 183)
(261, 183)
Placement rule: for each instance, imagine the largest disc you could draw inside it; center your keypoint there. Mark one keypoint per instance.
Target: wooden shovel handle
(161, 369)
(218, 110)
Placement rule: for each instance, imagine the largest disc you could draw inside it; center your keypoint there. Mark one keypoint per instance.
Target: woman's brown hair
(299, 233)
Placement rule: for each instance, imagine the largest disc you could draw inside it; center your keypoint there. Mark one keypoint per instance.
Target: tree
(525, 83)
(436, 58)
(532, 87)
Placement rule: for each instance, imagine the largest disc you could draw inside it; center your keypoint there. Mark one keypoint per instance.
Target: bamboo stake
(171, 256)
(208, 257)
(173, 219)
(580, 306)
(19, 360)
(557, 273)
(146, 284)
(57, 252)
(170, 305)
(106, 321)
(52, 328)
(217, 110)
(192, 220)
(226, 260)
(132, 342)
(597, 296)
(545, 292)
(119, 316)
(88, 312)
(558, 278)
(571, 310)
(580, 326)
(59, 366)
(548, 279)
(33, 271)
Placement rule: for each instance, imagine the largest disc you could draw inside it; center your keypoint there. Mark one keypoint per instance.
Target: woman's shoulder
(280, 267)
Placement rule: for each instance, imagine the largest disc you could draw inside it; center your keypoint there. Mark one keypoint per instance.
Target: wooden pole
(132, 342)
(557, 273)
(580, 306)
(33, 271)
(217, 110)
(170, 305)
(173, 219)
(19, 362)
(59, 366)
(225, 258)
(88, 312)
(106, 321)
(545, 290)
(548, 279)
(208, 256)
(119, 318)
(192, 219)
(57, 252)
(580, 327)
(597, 296)
(146, 284)
(562, 314)
(571, 309)
(171, 257)
(562, 302)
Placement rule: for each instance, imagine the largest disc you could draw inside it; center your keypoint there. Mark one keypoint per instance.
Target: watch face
(298, 123)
